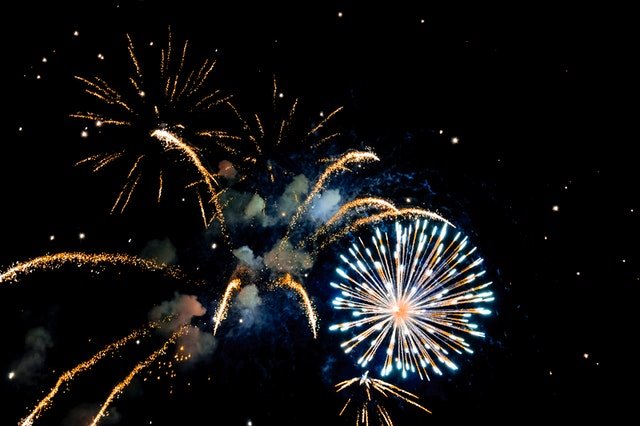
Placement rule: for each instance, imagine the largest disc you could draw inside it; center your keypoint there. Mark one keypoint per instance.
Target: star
(82, 236)
(455, 140)
(339, 14)
(76, 33)
(84, 134)
(555, 208)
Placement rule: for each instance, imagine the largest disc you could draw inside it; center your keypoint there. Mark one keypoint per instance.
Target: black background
(540, 97)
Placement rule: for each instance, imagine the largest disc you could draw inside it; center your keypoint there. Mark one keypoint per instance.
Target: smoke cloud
(286, 258)
(326, 205)
(247, 258)
(248, 297)
(162, 251)
(292, 196)
(83, 414)
(36, 343)
(182, 309)
(227, 170)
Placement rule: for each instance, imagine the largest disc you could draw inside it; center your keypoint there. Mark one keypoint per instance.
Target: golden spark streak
(288, 282)
(120, 387)
(172, 141)
(204, 216)
(349, 207)
(159, 186)
(53, 261)
(107, 160)
(223, 307)
(354, 157)
(323, 122)
(90, 116)
(411, 213)
(134, 60)
(131, 189)
(69, 375)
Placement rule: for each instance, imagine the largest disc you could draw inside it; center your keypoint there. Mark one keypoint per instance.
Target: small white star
(422, 21)
(249, 423)
(455, 140)
(408, 200)
(240, 320)
(52, 237)
(550, 373)
(137, 342)
(624, 260)
(141, 93)
(100, 56)
(183, 200)
(440, 131)
(20, 129)
(82, 236)
(44, 60)
(84, 134)
(129, 240)
(339, 14)
(585, 355)
(281, 95)
(578, 273)
(98, 123)
(321, 114)
(214, 246)
(546, 238)
(555, 208)
(38, 77)
(150, 43)
(76, 33)
(11, 375)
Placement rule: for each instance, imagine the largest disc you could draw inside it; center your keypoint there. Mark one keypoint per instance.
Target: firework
(405, 213)
(353, 157)
(158, 104)
(53, 261)
(69, 375)
(287, 281)
(269, 133)
(367, 399)
(413, 298)
(359, 204)
(223, 307)
(120, 387)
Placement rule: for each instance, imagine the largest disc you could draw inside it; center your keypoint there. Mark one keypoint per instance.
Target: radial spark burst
(412, 299)
(368, 396)
(159, 106)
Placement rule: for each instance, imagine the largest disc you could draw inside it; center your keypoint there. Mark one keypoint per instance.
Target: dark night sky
(537, 98)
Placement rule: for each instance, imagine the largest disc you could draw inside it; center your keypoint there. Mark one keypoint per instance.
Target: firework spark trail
(120, 387)
(69, 375)
(372, 388)
(52, 261)
(288, 282)
(175, 81)
(354, 157)
(348, 208)
(171, 141)
(414, 295)
(405, 213)
(223, 307)
(323, 122)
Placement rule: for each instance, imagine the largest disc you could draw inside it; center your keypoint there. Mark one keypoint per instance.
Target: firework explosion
(412, 299)
(415, 303)
(367, 397)
(156, 107)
